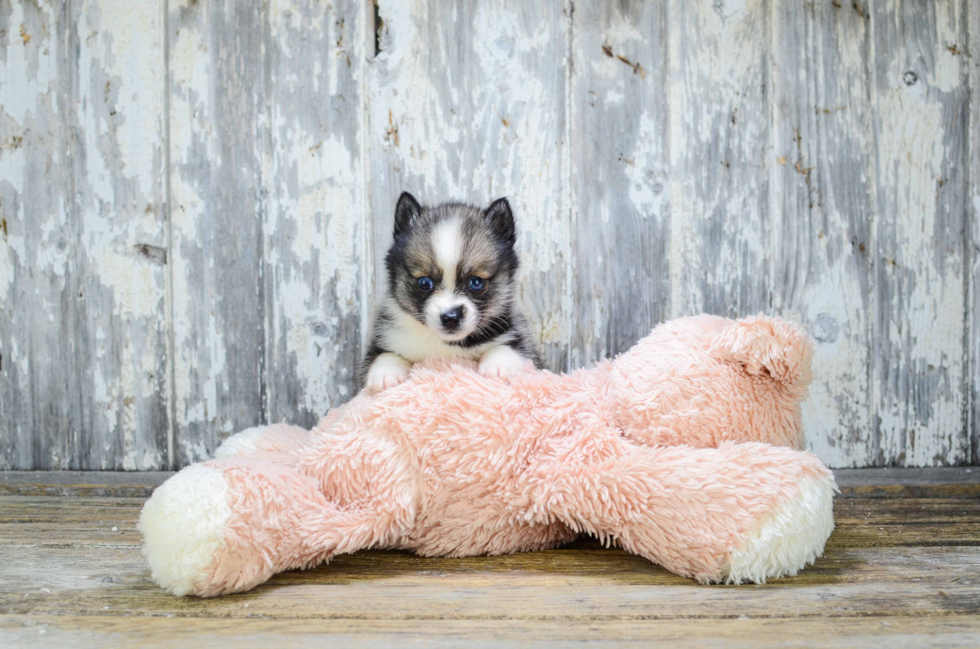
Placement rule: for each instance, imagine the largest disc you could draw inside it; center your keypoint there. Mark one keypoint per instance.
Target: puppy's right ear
(406, 211)
(501, 219)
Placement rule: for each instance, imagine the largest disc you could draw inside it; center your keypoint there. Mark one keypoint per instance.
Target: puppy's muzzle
(450, 319)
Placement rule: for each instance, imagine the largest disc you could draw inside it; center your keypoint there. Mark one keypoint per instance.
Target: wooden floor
(902, 569)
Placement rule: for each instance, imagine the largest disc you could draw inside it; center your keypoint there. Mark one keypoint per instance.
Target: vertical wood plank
(823, 206)
(39, 399)
(316, 215)
(120, 235)
(720, 156)
(974, 248)
(921, 125)
(467, 102)
(619, 176)
(217, 211)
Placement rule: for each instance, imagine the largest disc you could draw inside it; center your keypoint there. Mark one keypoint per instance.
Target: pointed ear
(501, 220)
(406, 211)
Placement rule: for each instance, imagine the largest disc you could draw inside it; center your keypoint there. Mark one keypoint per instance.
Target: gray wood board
(718, 119)
(315, 225)
(81, 215)
(119, 234)
(38, 393)
(823, 199)
(216, 213)
(973, 248)
(920, 102)
(619, 176)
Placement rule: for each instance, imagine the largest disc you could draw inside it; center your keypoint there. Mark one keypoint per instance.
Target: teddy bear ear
(500, 218)
(406, 211)
(767, 345)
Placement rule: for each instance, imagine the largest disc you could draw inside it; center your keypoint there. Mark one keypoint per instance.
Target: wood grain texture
(921, 127)
(619, 176)
(217, 214)
(822, 175)
(315, 218)
(72, 632)
(719, 157)
(119, 235)
(973, 343)
(467, 101)
(39, 391)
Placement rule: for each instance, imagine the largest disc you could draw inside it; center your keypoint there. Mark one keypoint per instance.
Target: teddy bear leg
(225, 526)
(739, 512)
(275, 443)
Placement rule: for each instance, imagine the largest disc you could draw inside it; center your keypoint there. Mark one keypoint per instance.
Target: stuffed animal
(683, 450)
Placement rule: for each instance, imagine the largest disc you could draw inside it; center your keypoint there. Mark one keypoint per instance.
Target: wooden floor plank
(32, 568)
(512, 598)
(582, 583)
(75, 632)
(438, 603)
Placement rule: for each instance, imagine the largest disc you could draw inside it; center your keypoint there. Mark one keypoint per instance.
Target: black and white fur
(457, 247)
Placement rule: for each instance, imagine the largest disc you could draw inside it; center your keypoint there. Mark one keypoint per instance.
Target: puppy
(450, 292)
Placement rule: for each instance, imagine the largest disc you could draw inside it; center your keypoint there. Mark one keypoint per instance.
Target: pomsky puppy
(451, 292)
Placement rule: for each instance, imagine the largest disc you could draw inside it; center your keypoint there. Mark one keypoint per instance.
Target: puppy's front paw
(501, 361)
(387, 371)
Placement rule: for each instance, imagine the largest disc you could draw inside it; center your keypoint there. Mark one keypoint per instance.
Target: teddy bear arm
(740, 512)
(226, 526)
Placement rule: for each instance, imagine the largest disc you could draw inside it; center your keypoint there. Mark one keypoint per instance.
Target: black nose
(450, 319)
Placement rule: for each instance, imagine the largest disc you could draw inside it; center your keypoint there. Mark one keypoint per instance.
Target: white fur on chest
(414, 342)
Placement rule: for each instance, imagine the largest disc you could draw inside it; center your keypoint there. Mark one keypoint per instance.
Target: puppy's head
(451, 266)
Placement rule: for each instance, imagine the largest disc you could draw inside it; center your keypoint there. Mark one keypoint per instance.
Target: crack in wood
(637, 68)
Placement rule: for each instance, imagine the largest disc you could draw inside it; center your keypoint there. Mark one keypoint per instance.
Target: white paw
(183, 526)
(501, 361)
(387, 371)
(789, 538)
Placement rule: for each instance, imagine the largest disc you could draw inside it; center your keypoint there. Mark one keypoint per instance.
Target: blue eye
(477, 283)
(425, 283)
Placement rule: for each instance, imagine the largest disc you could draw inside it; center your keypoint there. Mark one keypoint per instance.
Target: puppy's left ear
(501, 220)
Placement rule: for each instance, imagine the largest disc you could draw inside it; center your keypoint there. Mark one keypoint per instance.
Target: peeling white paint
(199, 355)
(823, 155)
(718, 185)
(28, 79)
(317, 201)
(28, 83)
(647, 182)
(118, 182)
(920, 377)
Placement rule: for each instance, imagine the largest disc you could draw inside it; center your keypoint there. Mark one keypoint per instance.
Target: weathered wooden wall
(196, 196)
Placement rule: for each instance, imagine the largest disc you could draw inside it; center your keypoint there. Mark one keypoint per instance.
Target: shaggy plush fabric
(683, 450)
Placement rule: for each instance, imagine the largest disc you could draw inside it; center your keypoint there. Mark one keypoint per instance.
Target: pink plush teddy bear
(683, 450)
